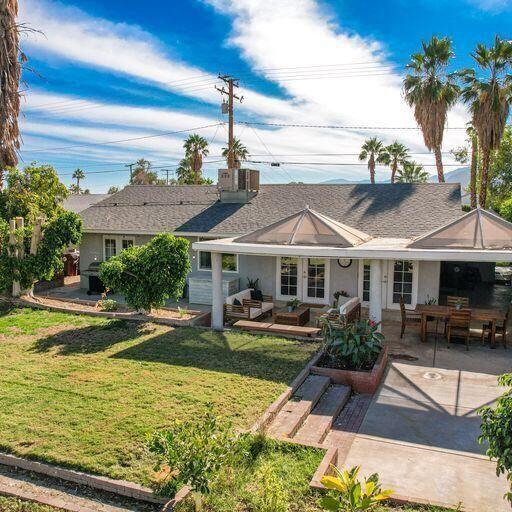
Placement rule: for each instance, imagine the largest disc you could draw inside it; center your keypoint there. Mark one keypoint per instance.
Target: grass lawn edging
(202, 319)
(359, 381)
(120, 487)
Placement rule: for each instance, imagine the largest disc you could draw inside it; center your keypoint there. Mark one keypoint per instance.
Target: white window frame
(223, 271)
(414, 294)
(360, 278)
(119, 243)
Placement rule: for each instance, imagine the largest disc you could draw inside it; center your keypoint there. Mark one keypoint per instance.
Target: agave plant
(348, 494)
(431, 91)
(488, 98)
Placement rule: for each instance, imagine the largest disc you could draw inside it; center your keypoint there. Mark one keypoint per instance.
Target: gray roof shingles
(381, 210)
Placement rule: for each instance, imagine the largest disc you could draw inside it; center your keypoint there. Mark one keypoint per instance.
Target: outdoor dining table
(484, 315)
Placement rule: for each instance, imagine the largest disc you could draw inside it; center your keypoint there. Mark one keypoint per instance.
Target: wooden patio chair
(453, 300)
(459, 325)
(409, 318)
(501, 330)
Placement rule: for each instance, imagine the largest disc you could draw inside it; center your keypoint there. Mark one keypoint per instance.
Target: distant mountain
(459, 175)
(342, 181)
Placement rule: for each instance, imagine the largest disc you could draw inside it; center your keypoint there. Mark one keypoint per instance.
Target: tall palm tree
(473, 168)
(431, 91)
(196, 147)
(411, 172)
(78, 175)
(374, 151)
(488, 98)
(394, 155)
(11, 59)
(240, 153)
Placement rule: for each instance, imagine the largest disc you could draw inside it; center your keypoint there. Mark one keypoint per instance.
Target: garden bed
(361, 381)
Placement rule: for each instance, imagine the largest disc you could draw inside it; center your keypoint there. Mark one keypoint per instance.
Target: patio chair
(453, 300)
(459, 325)
(409, 318)
(501, 330)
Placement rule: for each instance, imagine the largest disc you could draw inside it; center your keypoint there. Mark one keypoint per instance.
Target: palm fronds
(374, 151)
(196, 147)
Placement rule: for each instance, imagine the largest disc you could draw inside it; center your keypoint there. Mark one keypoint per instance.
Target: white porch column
(217, 297)
(375, 290)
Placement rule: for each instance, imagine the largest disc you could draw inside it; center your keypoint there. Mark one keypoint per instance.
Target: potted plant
(354, 354)
(458, 304)
(340, 297)
(293, 304)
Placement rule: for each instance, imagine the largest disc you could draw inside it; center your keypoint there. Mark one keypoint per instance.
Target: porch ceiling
(377, 248)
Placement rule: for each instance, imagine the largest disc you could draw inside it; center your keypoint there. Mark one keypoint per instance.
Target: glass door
(315, 280)
(403, 283)
(288, 271)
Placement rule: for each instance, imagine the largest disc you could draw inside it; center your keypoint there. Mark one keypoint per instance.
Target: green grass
(15, 505)
(84, 392)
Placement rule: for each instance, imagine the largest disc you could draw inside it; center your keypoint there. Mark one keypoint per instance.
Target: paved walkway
(420, 435)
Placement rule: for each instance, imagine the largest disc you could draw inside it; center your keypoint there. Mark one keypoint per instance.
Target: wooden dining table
(484, 315)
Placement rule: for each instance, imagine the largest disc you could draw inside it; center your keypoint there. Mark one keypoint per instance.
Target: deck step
(295, 411)
(319, 422)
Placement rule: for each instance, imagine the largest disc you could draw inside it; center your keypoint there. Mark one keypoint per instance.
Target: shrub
(193, 452)
(347, 494)
(272, 495)
(107, 305)
(506, 209)
(497, 431)
(355, 344)
(148, 275)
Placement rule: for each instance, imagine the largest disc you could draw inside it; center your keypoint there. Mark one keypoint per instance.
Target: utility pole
(167, 171)
(131, 171)
(231, 84)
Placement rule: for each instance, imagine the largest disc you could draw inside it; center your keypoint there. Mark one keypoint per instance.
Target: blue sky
(134, 72)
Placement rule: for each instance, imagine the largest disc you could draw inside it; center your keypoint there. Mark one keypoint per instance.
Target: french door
(304, 278)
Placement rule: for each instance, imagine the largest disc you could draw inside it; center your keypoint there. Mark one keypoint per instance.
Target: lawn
(84, 391)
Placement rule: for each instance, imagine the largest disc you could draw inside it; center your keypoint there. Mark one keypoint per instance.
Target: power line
(337, 163)
(341, 127)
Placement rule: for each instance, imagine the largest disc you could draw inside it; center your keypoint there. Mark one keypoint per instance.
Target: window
(110, 248)
(127, 242)
(229, 261)
(316, 278)
(289, 276)
(402, 281)
(366, 282)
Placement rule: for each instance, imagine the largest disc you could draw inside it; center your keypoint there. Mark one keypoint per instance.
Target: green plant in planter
(356, 344)
(253, 283)
(348, 494)
(293, 304)
(497, 431)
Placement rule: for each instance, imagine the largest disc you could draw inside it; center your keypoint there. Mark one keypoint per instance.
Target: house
(379, 242)
(79, 202)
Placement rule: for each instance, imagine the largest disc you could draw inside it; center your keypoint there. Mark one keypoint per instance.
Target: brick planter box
(360, 381)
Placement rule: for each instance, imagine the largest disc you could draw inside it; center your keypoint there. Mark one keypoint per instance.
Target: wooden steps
(291, 330)
(292, 415)
(318, 424)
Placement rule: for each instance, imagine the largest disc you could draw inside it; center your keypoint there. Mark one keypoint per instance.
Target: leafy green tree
(500, 186)
(497, 431)
(35, 191)
(394, 155)
(194, 452)
(196, 147)
(240, 153)
(148, 275)
(431, 91)
(488, 96)
(411, 172)
(373, 151)
(506, 209)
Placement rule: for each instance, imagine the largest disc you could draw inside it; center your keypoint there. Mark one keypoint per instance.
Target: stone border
(200, 320)
(121, 487)
(274, 408)
(359, 381)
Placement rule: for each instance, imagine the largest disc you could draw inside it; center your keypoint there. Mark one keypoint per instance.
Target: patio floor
(420, 431)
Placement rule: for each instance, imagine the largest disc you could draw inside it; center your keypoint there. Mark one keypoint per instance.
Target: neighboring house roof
(306, 227)
(478, 229)
(381, 210)
(79, 202)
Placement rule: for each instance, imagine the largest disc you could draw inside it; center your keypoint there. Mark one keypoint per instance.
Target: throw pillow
(257, 295)
(236, 302)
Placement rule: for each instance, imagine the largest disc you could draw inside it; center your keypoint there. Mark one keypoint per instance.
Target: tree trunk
(484, 177)
(394, 167)
(439, 165)
(473, 171)
(371, 166)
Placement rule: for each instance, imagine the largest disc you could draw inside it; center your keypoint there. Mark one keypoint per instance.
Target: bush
(347, 494)
(148, 275)
(497, 431)
(355, 345)
(506, 209)
(107, 305)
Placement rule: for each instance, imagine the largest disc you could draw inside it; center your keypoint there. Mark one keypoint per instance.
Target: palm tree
(488, 98)
(78, 175)
(432, 91)
(473, 169)
(184, 173)
(394, 155)
(11, 59)
(113, 190)
(411, 172)
(374, 151)
(196, 147)
(74, 189)
(240, 153)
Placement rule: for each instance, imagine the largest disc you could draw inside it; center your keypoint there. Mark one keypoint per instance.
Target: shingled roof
(381, 210)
